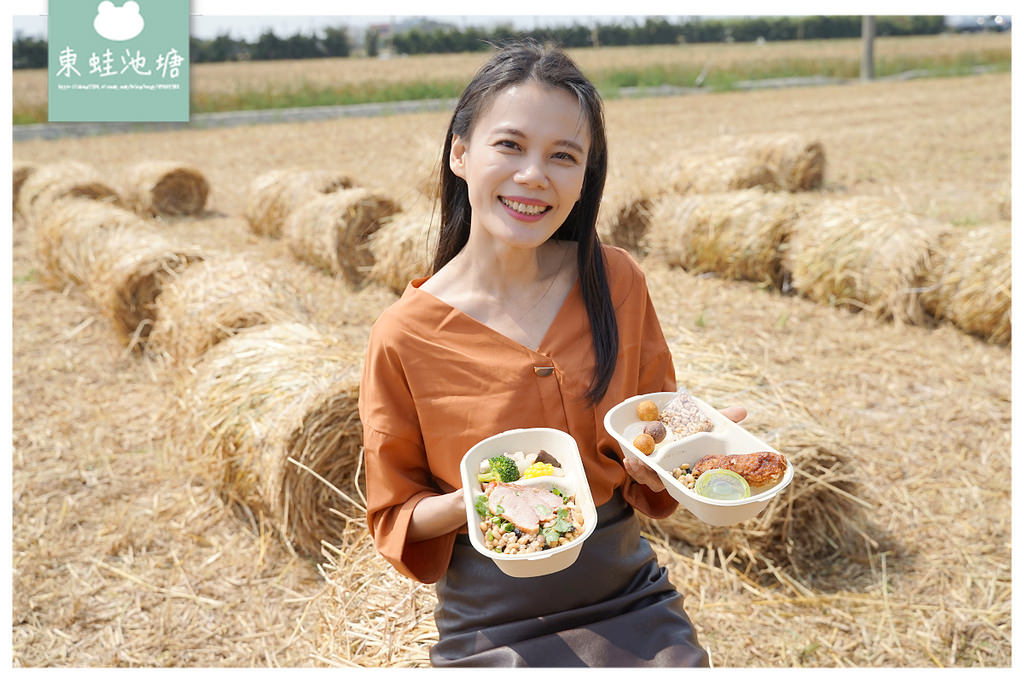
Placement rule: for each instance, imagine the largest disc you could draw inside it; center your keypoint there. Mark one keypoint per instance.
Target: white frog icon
(118, 23)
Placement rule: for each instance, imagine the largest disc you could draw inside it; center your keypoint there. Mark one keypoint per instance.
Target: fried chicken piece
(764, 468)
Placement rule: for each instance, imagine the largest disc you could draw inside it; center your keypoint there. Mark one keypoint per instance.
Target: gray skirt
(614, 606)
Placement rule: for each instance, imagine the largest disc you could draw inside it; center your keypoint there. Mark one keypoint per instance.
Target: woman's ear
(457, 157)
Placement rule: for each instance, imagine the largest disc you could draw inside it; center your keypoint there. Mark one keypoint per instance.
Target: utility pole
(867, 55)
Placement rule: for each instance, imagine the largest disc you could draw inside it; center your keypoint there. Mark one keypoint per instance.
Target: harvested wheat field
(891, 549)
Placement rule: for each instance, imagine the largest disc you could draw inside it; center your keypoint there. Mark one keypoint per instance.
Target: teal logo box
(118, 60)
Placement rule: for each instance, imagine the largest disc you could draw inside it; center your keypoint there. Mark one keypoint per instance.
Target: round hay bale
(403, 249)
(973, 282)
(131, 270)
(275, 194)
(818, 517)
(262, 410)
(862, 253)
(20, 172)
(795, 162)
(713, 173)
(332, 231)
(625, 216)
(735, 235)
(67, 235)
(214, 299)
(63, 180)
(165, 188)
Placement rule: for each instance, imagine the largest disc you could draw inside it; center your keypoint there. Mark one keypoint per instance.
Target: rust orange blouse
(436, 381)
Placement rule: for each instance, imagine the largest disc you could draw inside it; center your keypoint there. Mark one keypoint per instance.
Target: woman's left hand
(648, 477)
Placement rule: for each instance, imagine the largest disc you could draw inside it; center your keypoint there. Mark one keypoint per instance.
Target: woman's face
(524, 163)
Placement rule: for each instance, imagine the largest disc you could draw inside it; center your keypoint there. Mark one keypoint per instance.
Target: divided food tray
(727, 438)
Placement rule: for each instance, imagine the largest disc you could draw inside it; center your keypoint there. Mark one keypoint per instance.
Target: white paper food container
(574, 482)
(727, 438)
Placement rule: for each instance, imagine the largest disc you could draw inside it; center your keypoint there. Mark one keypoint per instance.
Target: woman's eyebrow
(515, 132)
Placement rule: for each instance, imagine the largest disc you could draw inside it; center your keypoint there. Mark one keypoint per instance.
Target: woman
(526, 321)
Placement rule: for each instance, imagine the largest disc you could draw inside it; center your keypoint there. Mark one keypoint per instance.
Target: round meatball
(647, 411)
(644, 443)
(656, 430)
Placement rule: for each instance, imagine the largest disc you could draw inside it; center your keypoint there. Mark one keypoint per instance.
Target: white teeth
(529, 209)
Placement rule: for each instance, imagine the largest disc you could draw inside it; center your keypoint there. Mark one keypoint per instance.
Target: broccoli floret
(503, 468)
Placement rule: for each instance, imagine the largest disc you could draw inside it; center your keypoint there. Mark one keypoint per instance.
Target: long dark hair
(512, 65)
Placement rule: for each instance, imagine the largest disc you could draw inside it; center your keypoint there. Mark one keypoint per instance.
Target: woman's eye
(509, 144)
(565, 156)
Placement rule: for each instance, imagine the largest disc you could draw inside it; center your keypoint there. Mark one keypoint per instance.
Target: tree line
(336, 41)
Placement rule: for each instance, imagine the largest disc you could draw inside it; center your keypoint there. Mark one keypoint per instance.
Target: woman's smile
(525, 209)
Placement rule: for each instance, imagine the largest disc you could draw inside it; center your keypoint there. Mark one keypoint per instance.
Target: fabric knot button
(543, 371)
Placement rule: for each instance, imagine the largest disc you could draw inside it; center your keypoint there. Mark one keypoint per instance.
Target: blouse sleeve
(397, 473)
(656, 373)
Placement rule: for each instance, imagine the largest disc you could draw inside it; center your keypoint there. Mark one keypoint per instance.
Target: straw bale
(736, 235)
(63, 180)
(165, 188)
(403, 248)
(216, 298)
(267, 416)
(626, 215)
(862, 253)
(20, 171)
(67, 235)
(715, 173)
(795, 162)
(973, 282)
(821, 515)
(332, 231)
(121, 261)
(370, 615)
(275, 194)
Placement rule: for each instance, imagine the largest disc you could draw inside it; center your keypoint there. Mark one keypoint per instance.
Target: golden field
(122, 556)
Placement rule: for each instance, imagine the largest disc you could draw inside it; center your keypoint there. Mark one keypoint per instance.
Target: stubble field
(123, 557)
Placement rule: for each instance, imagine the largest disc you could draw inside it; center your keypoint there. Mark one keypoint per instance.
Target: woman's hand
(436, 516)
(643, 474)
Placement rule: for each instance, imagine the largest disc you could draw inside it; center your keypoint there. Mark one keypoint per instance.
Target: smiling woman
(526, 321)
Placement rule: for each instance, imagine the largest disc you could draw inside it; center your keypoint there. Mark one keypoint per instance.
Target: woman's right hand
(436, 516)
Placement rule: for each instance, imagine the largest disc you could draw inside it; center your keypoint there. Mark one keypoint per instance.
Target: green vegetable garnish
(481, 505)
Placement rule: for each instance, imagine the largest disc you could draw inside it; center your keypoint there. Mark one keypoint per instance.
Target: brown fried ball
(656, 430)
(644, 443)
(647, 411)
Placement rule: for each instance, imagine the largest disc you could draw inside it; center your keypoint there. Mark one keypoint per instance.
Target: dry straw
(863, 253)
(735, 235)
(270, 418)
(973, 282)
(62, 180)
(370, 615)
(332, 231)
(403, 249)
(165, 188)
(121, 261)
(20, 172)
(275, 194)
(215, 299)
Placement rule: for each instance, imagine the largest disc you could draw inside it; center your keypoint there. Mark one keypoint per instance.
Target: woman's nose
(532, 173)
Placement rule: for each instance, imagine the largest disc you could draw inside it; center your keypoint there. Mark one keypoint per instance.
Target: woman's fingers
(642, 474)
(735, 413)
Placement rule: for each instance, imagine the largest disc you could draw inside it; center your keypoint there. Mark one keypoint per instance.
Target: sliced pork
(526, 507)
